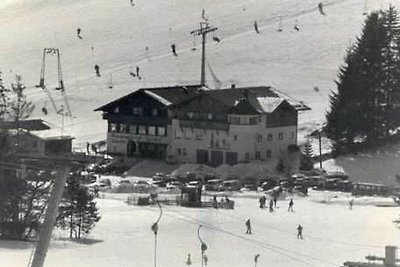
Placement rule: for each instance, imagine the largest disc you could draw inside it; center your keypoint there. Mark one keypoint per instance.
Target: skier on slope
(173, 48)
(132, 4)
(248, 226)
(78, 33)
(137, 72)
(299, 232)
(291, 203)
(215, 38)
(256, 26)
(97, 69)
(321, 8)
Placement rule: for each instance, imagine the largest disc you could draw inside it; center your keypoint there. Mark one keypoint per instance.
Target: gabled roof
(229, 96)
(165, 95)
(269, 104)
(30, 125)
(250, 100)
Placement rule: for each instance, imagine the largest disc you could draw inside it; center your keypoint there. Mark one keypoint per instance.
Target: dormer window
(154, 112)
(116, 110)
(210, 116)
(190, 115)
(137, 111)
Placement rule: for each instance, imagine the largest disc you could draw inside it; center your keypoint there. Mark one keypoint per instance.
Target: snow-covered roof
(269, 104)
(157, 97)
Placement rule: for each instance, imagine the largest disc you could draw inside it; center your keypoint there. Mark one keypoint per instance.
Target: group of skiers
(272, 204)
(299, 229)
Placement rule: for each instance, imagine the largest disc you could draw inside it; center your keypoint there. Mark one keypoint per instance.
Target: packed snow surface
(332, 234)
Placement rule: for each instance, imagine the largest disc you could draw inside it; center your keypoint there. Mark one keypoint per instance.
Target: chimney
(233, 86)
(390, 255)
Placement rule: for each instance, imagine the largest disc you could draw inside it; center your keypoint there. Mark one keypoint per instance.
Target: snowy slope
(115, 36)
(332, 234)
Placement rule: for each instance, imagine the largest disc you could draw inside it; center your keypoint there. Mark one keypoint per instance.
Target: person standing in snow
(299, 232)
(88, 148)
(262, 202)
(275, 200)
(271, 205)
(248, 226)
(256, 26)
(321, 8)
(291, 203)
(97, 69)
(351, 202)
(173, 48)
(78, 33)
(137, 72)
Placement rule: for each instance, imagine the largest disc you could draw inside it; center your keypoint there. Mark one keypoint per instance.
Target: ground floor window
(268, 154)
(247, 156)
(161, 131)
(258, 155)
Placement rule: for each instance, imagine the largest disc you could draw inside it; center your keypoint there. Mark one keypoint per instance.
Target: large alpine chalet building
(194, 124)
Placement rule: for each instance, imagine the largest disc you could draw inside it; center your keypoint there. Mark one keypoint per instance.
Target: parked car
(160, 183)
(193, 184)
(231, 185)
(248, 187)
(268, 184)
(174, 185)
(213, 185)
(124, 181)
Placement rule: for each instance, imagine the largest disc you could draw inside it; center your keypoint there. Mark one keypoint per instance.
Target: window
(116, 110)
(259, 138)
(199, 136)
(187, 133)
(269, 138)
(178, 134)
(247, 155)
(235, 137)
(124, 128)
(142, 129)
(113, 127)
(257, 154)
(190, 115)
(179, 151)
(280, 136)
(210, 116)
(154, 112)
(161, 131)
(253, 120)
(184, 152)
(137, 111)
(152, 130)
(268, 154)
(133, 129)
(292, 135)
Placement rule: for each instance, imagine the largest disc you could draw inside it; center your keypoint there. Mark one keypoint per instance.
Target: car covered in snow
(174, 185)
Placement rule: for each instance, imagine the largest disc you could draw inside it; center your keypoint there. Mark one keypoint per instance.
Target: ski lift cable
(262, 244)
(317, 239)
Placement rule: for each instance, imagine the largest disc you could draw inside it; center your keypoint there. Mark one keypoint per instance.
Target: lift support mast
(54, 51)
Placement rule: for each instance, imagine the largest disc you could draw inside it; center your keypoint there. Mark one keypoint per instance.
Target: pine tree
(78, 211)
(307, 162)
(366, 104)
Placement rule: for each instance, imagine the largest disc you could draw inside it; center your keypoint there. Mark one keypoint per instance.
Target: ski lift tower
(203, 30)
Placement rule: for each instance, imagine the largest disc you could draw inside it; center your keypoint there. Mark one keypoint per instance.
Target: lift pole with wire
(203, 30)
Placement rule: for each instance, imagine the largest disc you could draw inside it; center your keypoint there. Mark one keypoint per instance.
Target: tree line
(365, 107)
(24, 191)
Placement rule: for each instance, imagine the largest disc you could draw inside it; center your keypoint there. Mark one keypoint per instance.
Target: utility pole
(203, 30)
(50, 217)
